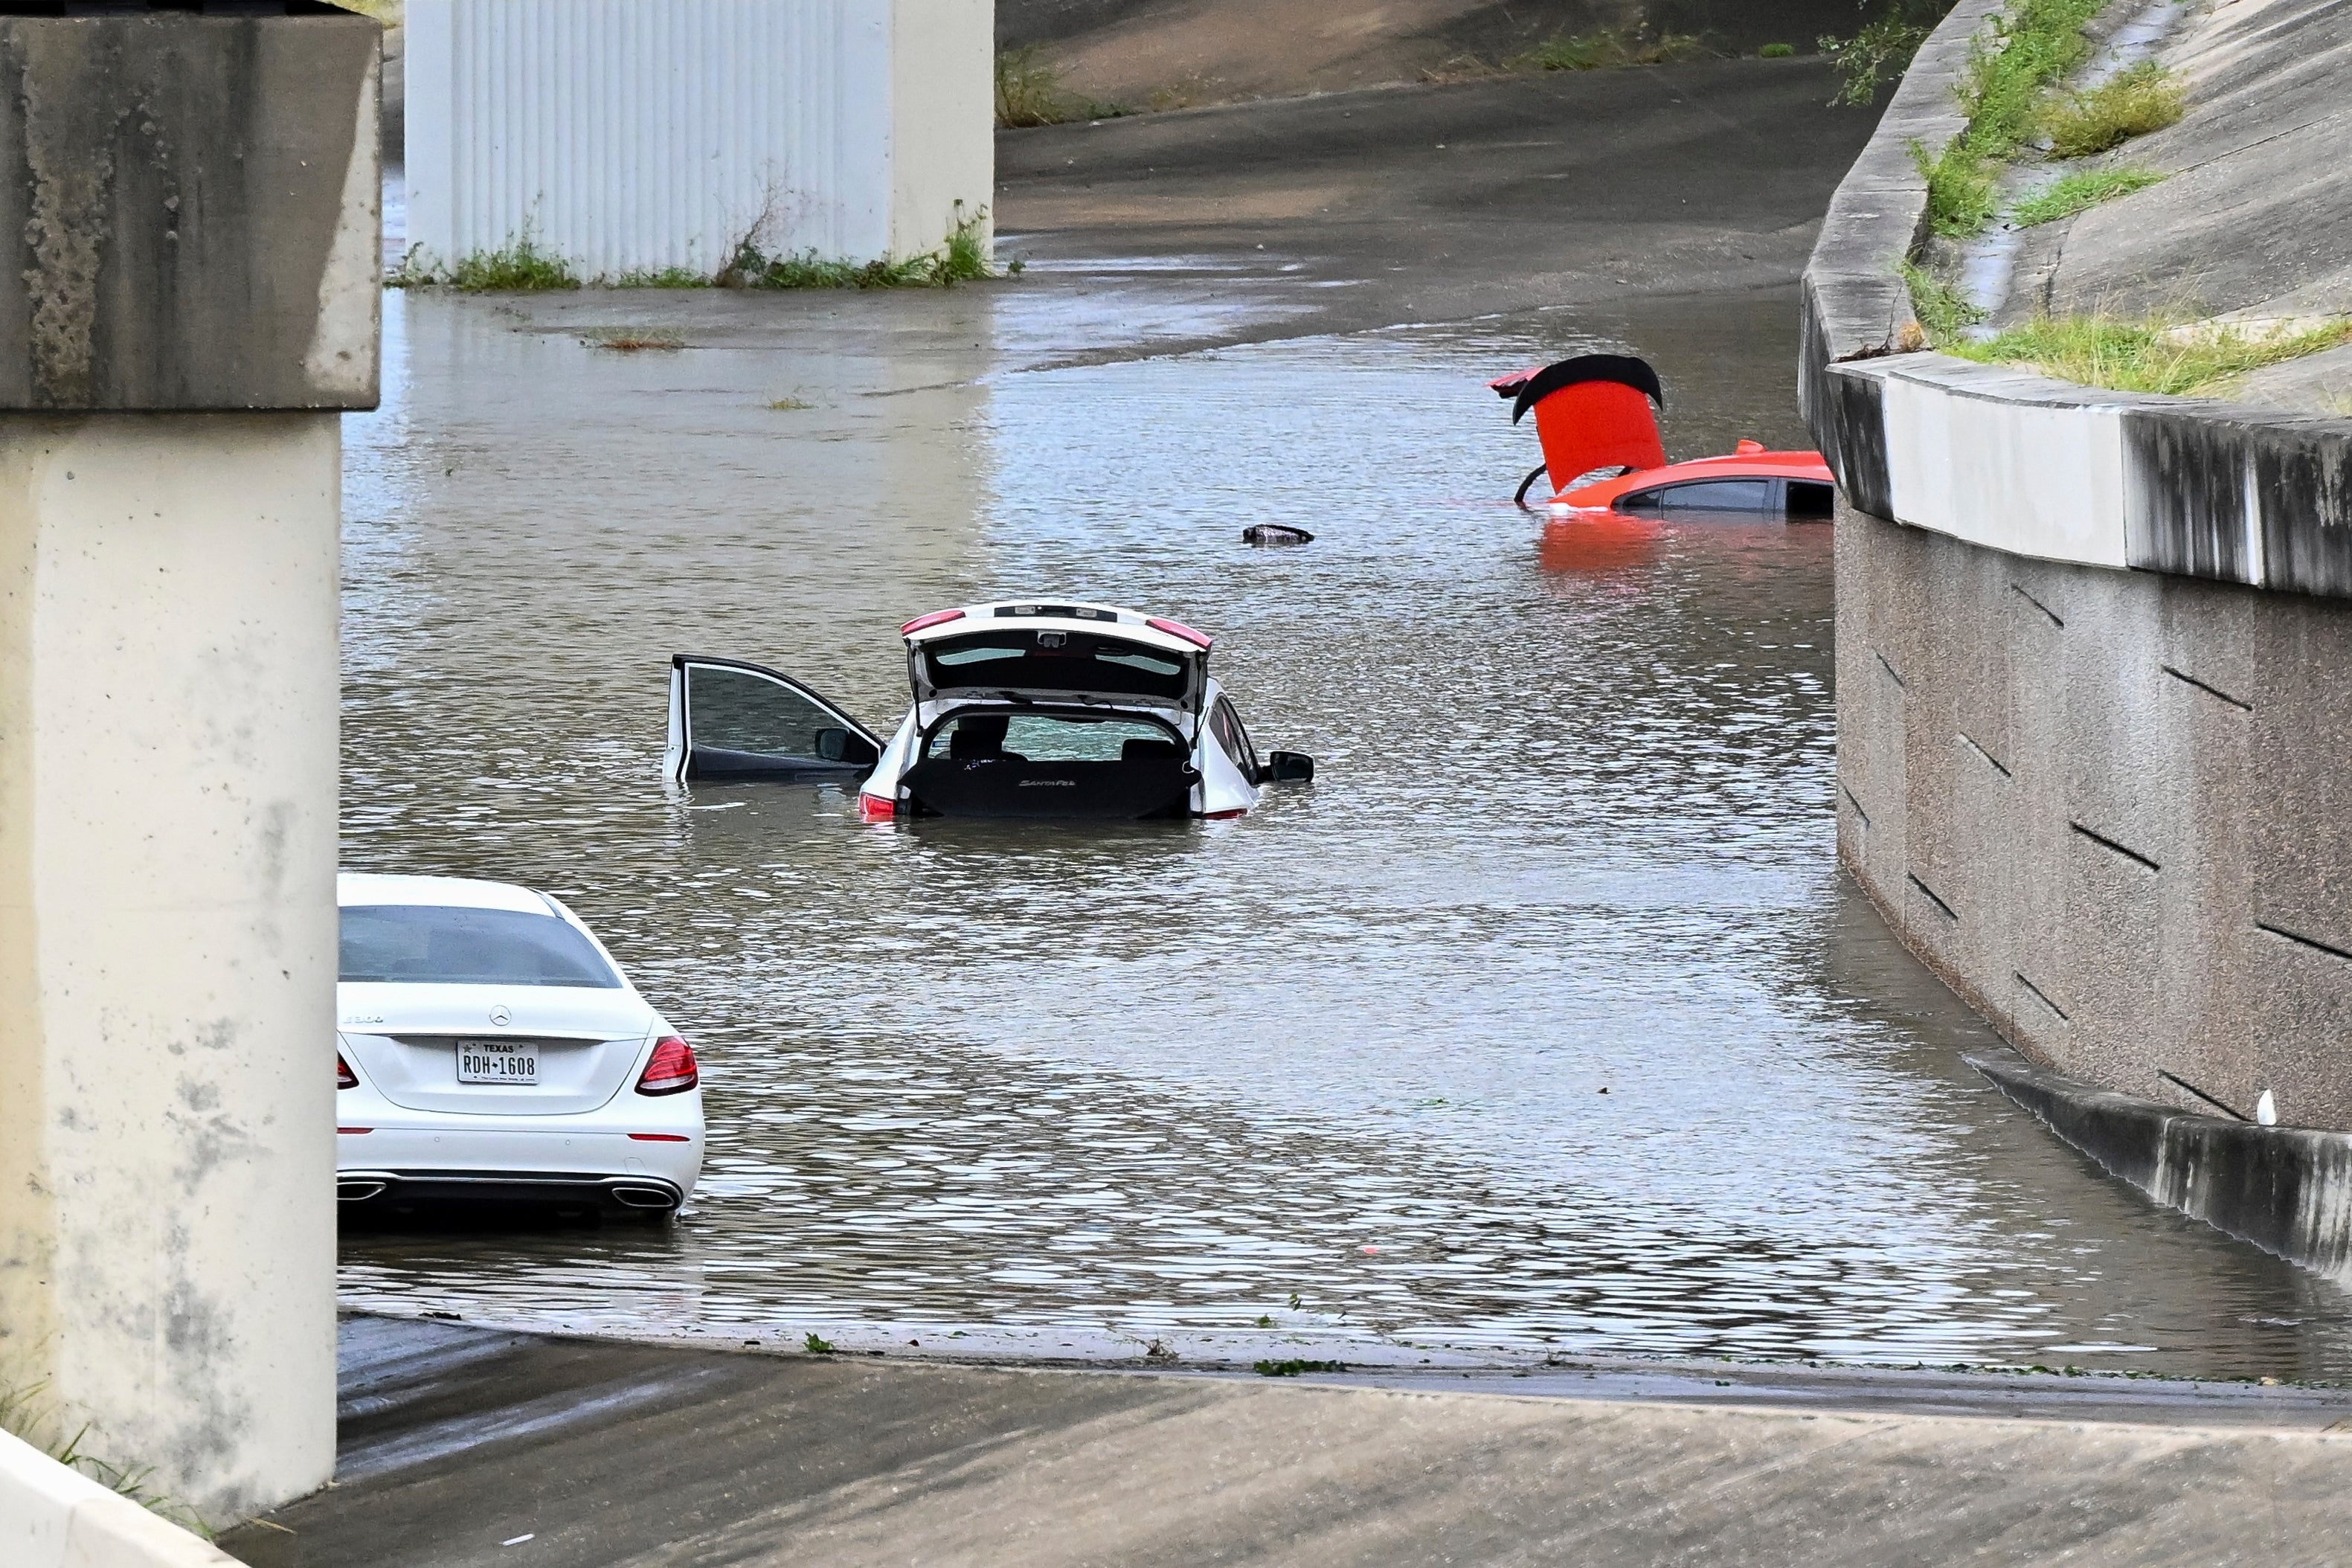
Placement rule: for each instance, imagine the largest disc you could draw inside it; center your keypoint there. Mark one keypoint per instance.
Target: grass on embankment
(522, 267)
(2147, 355)
(2133, 102)
(2079, 191)
(2034, 45)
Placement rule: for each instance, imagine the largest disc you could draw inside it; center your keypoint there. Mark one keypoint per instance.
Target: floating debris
(1275, 534)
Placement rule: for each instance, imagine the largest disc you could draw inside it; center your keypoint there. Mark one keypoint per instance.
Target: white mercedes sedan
(487, 1048)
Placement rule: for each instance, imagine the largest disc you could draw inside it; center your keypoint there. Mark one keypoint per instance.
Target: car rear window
(1023, 661)
(1025, 735)
(438, 944)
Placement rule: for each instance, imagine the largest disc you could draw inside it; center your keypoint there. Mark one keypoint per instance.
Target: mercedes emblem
(500, 1016)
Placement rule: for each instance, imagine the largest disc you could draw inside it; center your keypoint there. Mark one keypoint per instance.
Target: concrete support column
(192, 303)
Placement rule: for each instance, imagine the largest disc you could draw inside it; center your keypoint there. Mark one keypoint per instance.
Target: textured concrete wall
(2113, 809)
(168, 714)
(193, 204)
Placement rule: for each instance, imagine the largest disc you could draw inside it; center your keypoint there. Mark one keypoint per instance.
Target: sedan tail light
(672, 1069)
(344, 1076)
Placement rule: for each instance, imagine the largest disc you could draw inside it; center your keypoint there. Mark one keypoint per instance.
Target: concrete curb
(2024, 464)
(54, 1517)
(2288, 1190)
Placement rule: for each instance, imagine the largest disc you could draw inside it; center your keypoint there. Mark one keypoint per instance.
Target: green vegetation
(28, 1414)
(1776, 51)
(2152, 354)
(1959, 188)
(520, 267)
(962, 257)
(1029, 91)
(1942, 309)
(2133, 102)
(660, 278)
(814, 1345)
(790, 405)
(2033, 44)
(1293, 1368)
(2079, 191)
(632, 340)
(1627, 44)
(1878, 56)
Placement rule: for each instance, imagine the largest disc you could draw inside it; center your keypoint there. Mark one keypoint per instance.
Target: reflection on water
(1547, 989)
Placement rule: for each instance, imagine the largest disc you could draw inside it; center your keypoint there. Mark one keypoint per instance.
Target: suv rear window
(437, 944)
(1015, 659)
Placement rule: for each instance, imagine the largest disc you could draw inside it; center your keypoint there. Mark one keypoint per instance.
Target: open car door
(730, 720)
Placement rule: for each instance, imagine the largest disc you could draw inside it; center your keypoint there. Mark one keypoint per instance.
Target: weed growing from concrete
(632, 340)
(2079, 191)
(2033, 44)
(1942, 308)
(520, 267)
(1960, 188)
(2150, 354)
(30, 1416)
(962, 257)
(815, 1345)
(1293, 1368)
(1776, 51)
(659, 278)
(1626, 44)
(1877, 55)
(1029, 91)
(2133, 102)
(790, 404)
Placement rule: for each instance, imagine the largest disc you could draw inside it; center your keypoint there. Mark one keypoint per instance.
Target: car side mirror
(1288, 767)
(835, 745)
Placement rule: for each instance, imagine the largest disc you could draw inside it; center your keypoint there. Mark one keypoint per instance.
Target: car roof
(459, 892)
(1757, 465)
(1058, 614)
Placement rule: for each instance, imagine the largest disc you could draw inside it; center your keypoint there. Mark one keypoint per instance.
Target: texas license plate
(497, 1061)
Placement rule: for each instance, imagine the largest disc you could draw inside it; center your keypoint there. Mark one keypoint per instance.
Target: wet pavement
(1541, 1022)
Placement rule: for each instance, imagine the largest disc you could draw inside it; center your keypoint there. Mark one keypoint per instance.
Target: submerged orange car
(1601, 448)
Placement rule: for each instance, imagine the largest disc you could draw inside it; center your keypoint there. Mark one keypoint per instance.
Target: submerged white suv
(487, 1048)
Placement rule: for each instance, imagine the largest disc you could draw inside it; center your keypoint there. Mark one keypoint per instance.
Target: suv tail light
(344, 1076)
(672, 1069)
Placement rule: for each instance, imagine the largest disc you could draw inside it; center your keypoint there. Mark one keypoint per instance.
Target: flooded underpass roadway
(1543, 1020)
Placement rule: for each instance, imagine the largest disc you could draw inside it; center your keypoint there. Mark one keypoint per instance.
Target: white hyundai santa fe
(488, 1047)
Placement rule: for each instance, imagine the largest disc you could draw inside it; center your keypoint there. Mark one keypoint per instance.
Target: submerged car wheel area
(1021, 710)
(488, 1050)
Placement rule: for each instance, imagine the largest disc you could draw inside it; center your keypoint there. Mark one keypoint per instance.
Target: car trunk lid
(408, 1040)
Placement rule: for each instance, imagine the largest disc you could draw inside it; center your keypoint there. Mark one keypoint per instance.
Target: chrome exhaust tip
(357, 1191)
(643, 1197)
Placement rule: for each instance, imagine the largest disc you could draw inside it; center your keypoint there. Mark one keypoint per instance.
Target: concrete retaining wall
(2286, 1190)
(2094, 733)
(52, 1517)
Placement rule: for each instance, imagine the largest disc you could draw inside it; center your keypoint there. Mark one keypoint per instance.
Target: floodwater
(1542, 1018)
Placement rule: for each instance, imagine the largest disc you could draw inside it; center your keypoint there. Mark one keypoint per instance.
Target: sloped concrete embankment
(2092, 726)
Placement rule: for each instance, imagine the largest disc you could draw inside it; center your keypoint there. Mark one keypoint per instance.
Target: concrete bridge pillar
(191, 302)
